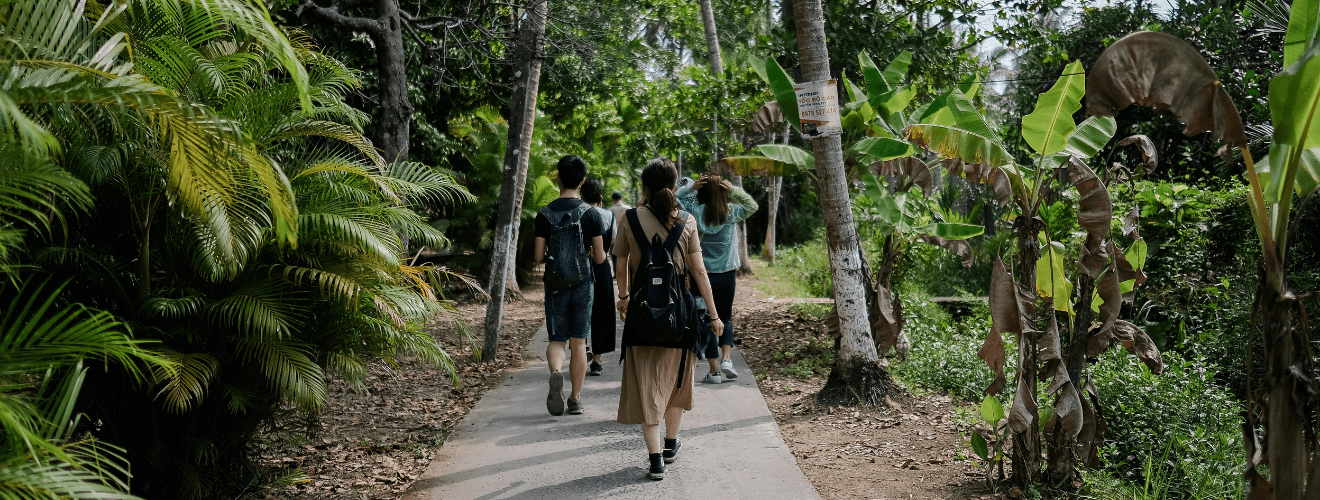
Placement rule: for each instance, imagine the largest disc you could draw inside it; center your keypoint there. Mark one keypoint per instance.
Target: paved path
(509, 447)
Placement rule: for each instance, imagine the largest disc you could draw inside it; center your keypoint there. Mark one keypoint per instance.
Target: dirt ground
(373, 444)
(906, 451)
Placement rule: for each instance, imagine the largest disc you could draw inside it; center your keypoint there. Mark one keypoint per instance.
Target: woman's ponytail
(659, 177)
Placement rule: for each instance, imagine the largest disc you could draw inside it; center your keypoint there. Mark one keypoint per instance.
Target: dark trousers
(722, 287)
(602, 310)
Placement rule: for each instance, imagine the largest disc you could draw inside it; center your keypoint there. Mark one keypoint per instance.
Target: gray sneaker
(712, 378)
(575, 407)
(726, 367)
(555, 401)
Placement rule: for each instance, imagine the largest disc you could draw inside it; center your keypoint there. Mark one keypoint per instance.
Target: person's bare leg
(596, 357)
(673, 420)
(726, 349)
(714, 365)
(654, 443)
(577, 365)
(554, 356)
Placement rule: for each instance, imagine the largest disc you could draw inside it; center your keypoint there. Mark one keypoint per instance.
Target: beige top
(689, 244)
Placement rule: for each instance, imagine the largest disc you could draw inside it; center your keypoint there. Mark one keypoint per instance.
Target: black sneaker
(657, 471)
(671, 454)
(595, 369)
(574, 407)
(555, 401)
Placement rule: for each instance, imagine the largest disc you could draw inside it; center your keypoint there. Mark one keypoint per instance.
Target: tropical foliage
(192, 237)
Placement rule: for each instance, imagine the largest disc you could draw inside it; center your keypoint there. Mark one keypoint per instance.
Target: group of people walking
(674, 264)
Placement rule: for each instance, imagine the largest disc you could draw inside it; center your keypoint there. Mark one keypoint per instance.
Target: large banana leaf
(955, 142)
(881, 149)
(1301, 30)
(1159, 70)
(789, 154)
(758, 165)
(969, 138)
(781, 85)
(1295, 110)
(1047, 128)
(1051, 281)
(950, 230)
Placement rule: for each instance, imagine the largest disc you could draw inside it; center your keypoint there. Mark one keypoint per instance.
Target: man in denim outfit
(568, 310)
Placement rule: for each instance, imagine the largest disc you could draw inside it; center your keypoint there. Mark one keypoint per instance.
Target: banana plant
(1162, 71)
(894, 204)
(1061, 148)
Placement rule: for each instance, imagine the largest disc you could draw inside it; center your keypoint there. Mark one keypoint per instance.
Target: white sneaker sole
(728, 372)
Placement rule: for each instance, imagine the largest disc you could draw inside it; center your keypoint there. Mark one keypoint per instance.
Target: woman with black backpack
(659, 256)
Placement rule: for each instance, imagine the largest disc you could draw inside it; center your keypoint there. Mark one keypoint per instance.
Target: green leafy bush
(809, 264)
(943, 353)
(1181, 409)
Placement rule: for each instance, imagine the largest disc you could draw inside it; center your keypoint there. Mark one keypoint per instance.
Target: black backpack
(567, 263)
(662, 312)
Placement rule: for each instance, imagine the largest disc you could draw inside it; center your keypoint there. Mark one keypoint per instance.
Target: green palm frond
(288, 368)
(37, 332)
(258, 307)
(331, 130)
(186, 384)
(85, 470)
(40, 336)
(328, 283)
(33, 194)
(351, 224)
(420, 183)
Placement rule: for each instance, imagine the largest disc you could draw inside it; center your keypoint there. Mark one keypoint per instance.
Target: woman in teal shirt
(718, 206)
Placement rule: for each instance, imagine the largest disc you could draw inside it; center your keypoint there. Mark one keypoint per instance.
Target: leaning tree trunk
(1026, 446)
(717, 68)
(531, 42)
(768, 250)
(776, 187)
(857, 375)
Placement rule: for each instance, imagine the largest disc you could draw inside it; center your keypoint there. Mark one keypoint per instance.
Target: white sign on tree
(818, 108)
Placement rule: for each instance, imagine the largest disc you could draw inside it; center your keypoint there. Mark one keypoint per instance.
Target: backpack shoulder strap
(676, 232)
(638, 235)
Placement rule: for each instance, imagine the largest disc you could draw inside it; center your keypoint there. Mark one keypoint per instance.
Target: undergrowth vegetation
(1172, 435)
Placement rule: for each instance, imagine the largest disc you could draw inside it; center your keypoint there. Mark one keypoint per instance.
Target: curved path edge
(510, 447)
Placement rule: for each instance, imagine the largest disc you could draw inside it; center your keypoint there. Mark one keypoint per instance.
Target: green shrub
(1181, 409)
(943, 353)
(809, 265)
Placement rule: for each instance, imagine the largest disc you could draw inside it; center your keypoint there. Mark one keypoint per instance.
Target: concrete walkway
(510, 447)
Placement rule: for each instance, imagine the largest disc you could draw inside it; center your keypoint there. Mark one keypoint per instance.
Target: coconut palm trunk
(857, 375)
(717, 68)
(531, 43)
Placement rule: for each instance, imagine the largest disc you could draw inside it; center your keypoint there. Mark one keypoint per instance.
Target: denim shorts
(568, 312)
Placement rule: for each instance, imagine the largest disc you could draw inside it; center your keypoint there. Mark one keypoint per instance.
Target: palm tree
(235, 192)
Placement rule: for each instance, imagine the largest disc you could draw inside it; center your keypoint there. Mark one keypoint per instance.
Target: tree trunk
(1026, 446)
(776, 188)
(717, 68)
(522, 108)
(1065, 450)
(768, 250)
(393, 121)
(1287, 382)
(393, 124)
(857, 376)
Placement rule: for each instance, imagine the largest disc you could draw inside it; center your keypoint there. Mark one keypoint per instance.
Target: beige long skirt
(649, 378)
